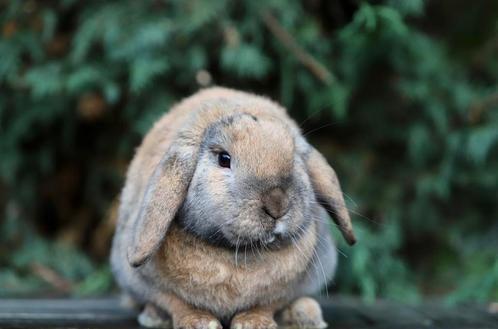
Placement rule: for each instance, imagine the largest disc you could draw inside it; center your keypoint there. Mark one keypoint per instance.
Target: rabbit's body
(181, 218)
(209, 278)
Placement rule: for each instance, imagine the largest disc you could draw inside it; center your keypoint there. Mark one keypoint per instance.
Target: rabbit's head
(238, 178)
(250, 186)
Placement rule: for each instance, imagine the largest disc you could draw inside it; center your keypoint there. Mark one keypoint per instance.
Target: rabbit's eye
(224, 159)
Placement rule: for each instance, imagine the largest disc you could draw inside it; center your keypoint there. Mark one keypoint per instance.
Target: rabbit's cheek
(245, 229)
(215, 187)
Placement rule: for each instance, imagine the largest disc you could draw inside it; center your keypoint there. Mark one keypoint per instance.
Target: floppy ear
(163, 196)
(329, 193)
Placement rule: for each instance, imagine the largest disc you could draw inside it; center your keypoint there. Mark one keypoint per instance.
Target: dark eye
(224, 159)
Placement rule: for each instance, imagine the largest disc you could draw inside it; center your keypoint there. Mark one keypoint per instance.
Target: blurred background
(401, 96)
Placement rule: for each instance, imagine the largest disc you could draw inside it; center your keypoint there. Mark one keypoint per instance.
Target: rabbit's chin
(267, 240)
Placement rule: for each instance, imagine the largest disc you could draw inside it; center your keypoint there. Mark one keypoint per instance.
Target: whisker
(309, 117)
(328, 222)
(259, 252)
(315, 250)
(252, 250)
(315, 259)
(245, 255)
(292, 236)
(237, 251)
(321, 127)
(220, 226)
(350, 199)
(353, 212)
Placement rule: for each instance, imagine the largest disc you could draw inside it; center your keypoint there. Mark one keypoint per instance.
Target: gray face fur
(264, 198)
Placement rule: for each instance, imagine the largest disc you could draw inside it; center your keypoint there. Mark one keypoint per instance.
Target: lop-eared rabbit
(222, 220)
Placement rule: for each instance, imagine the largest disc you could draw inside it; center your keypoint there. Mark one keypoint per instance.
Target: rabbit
(222, 219)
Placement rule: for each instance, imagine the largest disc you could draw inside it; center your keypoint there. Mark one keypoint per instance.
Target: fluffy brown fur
(162, 253)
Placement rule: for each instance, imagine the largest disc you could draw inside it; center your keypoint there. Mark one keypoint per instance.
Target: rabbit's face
(250, 186)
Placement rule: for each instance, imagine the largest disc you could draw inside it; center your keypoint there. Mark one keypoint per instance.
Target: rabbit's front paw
(196, 320)
(304, 312)
(253, 320)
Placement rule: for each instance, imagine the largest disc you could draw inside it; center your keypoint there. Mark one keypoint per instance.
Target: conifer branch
(289, 42)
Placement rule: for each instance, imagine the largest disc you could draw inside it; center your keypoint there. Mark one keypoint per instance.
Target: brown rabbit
(222, 217)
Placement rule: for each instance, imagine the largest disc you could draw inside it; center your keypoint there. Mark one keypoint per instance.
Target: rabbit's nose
(275, 203)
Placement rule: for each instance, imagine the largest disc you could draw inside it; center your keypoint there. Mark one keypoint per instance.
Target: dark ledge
(340, 313)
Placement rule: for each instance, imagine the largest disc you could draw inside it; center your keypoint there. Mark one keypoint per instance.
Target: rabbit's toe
(197, 321)
(151, 318)
(250, 320)
(304, 312)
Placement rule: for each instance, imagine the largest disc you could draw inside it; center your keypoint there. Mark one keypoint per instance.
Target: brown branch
(478, 107)
(313, 65)
(50, 276)
(485, 52)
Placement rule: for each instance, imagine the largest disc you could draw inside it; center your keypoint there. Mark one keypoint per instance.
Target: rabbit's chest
(212, 276)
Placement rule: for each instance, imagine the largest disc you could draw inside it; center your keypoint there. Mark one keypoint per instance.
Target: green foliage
(400, 95)
(373, 264)
(56, 264)
(245, 61)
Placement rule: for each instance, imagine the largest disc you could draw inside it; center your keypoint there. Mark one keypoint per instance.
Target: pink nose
(275, 203)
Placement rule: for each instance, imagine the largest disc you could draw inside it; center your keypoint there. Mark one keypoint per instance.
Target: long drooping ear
(164, 194)
(328, 192)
